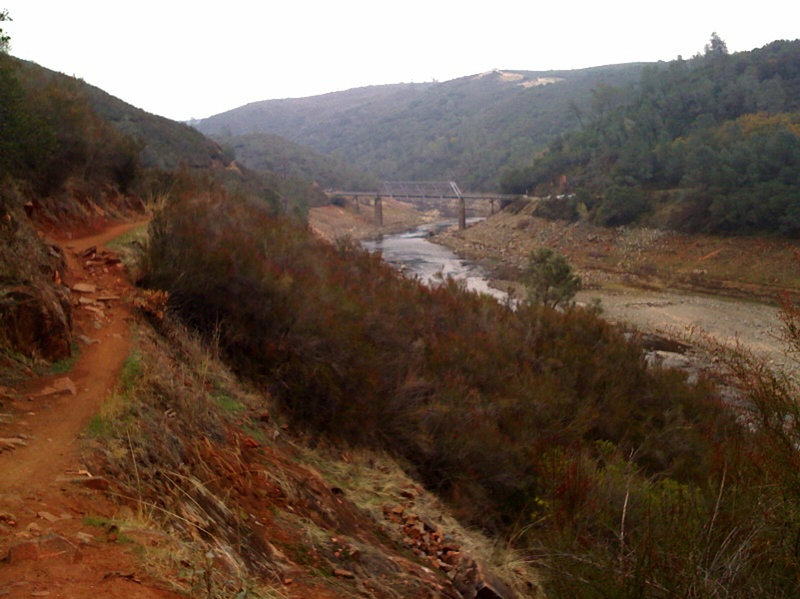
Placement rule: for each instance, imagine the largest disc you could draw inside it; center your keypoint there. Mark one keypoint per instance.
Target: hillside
(710, 144)
(272, 153)
(136, 464)
(163, 143)
(223, 405)
(468, 129)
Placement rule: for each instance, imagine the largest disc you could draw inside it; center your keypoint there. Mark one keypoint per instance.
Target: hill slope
(708, 144)
(467, 129)
(273, 153)
(163, 143)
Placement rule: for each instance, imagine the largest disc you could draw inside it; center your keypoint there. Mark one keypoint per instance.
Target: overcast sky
(193, 59)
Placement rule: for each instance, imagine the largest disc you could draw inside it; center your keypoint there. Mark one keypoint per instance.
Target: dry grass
(372, 480)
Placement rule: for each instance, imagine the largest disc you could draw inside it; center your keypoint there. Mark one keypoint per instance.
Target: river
(666, 314)
(414, 255)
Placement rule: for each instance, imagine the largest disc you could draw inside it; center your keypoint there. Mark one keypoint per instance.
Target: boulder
(36, 321)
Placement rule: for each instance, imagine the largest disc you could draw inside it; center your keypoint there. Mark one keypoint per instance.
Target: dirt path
(46, 499)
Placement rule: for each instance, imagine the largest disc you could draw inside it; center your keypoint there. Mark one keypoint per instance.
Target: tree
(5, 39)
(549, 280)
(716, 46)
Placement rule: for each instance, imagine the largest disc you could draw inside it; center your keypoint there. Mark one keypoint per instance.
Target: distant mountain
(469, 129)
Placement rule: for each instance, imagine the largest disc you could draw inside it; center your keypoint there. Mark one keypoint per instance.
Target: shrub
(546, 426)
(549, 280)
(620, 206)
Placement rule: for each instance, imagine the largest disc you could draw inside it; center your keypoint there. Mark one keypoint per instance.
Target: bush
(620, 206)
(549, 280)
(545, 426)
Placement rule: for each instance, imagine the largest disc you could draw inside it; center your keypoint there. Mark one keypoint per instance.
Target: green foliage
(131, 370)
(722, 129)
(65, 365)
(469, 129)
(620, 206)
(272, 153)
(49, 133)
(5, 39)
(549, 280)
(99, 427)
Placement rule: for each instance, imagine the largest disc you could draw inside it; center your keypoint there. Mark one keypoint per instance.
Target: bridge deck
(381, 194)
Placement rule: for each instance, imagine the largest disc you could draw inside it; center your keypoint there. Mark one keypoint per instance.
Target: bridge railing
(422, 190)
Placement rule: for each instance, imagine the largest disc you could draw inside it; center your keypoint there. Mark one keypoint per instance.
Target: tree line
(708, 144)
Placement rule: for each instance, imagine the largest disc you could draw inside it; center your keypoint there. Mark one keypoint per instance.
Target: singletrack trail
(48, 501)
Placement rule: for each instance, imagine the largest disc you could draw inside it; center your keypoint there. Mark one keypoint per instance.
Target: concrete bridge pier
(462, 213)
(378, 211)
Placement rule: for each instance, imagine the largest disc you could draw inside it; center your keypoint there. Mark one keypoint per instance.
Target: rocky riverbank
(672, 285)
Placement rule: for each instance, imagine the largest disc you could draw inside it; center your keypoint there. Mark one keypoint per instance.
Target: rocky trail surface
(51, 507)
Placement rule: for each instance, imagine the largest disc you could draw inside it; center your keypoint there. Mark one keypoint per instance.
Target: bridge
(422, 190)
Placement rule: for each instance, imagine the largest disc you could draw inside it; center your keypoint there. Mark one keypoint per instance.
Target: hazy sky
(194, 59)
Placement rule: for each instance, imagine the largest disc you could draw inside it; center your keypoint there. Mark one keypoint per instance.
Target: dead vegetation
(245, 510)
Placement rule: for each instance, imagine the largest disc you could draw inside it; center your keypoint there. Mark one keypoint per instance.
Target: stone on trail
(84, 287)
(10, 443)
(62, 385)
(46, 547)
(84, 340)
(47, 516)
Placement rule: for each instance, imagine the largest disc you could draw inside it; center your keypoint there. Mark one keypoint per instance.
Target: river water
(414, 255)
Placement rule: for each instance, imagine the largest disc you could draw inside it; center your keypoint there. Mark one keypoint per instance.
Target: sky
(194, 59)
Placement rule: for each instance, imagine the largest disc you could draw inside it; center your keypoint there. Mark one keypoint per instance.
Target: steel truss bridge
(422, 190)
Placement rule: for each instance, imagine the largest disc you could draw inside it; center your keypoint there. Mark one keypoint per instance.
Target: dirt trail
(50, 549)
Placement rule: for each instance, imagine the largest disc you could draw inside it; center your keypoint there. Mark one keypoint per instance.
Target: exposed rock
(46, 547)
(84, 340)
(36, 321)
(84, 288)
(341, 573)
(426, 540)
(88, 252)
(10, 443)
(85, 538)
(61, 385)
(47, 516)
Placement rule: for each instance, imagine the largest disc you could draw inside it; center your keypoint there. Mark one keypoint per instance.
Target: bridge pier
(462, 213)
(491, 202)
(378, 211)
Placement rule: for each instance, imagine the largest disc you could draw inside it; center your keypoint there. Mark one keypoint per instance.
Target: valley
(730, 300)
(233, 399)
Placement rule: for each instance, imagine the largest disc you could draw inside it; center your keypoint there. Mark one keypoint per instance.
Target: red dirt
(41, 512)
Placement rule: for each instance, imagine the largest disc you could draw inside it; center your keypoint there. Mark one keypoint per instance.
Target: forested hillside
(468, 129)
(273, 153)
(708, 144)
